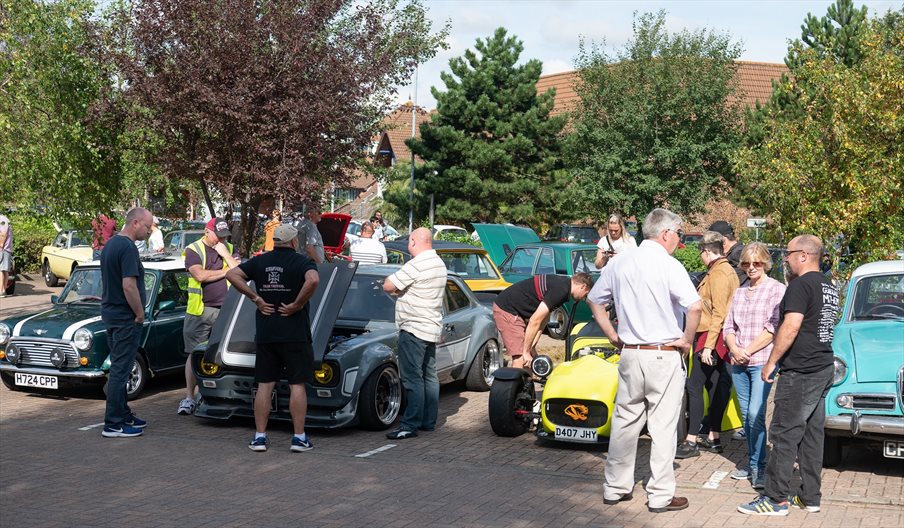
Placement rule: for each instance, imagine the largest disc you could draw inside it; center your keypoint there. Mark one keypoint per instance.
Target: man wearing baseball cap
(285, 280)
(731, 247)
(207, 260)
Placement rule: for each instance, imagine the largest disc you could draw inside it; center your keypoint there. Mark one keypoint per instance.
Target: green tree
(656, 122)
(835, 166)
(492, 150)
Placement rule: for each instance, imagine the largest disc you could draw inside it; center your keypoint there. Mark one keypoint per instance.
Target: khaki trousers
(650, 390)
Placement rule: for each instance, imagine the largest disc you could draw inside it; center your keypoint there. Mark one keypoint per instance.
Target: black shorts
(290, 361)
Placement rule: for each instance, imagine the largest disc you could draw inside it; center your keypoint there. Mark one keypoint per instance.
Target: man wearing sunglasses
(803, 348)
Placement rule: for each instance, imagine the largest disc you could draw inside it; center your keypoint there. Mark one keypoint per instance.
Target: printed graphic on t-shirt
(274, 280)
(824, 331)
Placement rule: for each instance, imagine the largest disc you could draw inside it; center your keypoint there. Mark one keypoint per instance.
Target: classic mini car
(440, 231)
(69, 249)
(577, 396)
(865, 404)
(354, 338)
(175, 242)
(66, 345)
(525, 255)
(468, 262)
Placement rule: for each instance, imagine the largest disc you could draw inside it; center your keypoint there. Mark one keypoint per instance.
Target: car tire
(561, 316)
(138, 378)
(7, 380)
(832, 451)
(380, 399)
(486, 361)
(507, 397)
(50, 279)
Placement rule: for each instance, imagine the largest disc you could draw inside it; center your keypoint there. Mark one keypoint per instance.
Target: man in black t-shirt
(803, 348)
(122, 311)
(521, 310)
(285, 281)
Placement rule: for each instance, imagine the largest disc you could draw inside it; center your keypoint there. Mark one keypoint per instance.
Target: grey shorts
(197, 328)
(6, 260)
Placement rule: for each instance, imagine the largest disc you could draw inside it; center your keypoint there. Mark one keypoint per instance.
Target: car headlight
(209, 369)
(4, 333)
(541, 365)
(12, 354)
(840, 371)
(324, 375)
(845, 401)
(83, 339)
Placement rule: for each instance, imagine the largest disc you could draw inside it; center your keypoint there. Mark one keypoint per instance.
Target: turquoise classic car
(66, 345)
(520, 254)
(866, 401)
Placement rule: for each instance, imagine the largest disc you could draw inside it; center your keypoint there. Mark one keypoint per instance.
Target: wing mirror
(54, 298)
(164, 306)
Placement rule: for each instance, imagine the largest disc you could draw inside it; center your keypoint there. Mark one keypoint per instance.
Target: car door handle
(449, 327)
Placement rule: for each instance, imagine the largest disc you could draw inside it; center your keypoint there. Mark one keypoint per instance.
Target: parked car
(468, 262)
(175, 242)
(577, 233)
(866, 401)
(354, 338)
(441, 230)
(577, 396)
(67, 344)
(691, 238)
(68, 249)
(526, 255)
(354, 230)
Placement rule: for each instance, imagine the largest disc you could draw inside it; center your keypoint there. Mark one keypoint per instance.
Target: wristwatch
(256, 297)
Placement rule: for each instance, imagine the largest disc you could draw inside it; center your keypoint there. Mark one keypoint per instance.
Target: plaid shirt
(753, 311)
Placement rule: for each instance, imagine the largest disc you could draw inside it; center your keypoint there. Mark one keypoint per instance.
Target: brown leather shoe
(624, 498)
(677, 503)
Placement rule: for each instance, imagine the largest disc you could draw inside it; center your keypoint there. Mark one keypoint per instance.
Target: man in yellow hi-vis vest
(207, 261)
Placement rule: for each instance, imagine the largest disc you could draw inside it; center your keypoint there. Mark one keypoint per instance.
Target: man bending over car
(522, 310)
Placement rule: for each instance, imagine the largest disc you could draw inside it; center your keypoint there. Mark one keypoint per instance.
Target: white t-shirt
(368, 250)
(618, 245)
(155, 241)
(419, 308)
(652, 292)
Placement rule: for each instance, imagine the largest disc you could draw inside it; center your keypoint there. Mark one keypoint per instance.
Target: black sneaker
(687, 450)
(400, 434)
(714, 446)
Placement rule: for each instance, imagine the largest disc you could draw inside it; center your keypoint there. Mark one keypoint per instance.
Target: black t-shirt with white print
(813, 295)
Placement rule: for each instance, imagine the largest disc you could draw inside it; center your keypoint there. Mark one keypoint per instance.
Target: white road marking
(89, 427)
(715, 479)
(374, 451)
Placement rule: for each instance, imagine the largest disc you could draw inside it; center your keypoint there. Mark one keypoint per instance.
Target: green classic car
(66, 345)
(520, 254)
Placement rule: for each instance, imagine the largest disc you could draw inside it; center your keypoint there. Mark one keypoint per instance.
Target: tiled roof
(398, 129)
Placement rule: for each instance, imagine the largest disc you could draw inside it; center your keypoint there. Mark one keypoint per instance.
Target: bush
(459, 237)
(689, 257)
(30, 234)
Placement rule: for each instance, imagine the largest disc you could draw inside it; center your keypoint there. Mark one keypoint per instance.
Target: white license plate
(34, 380)
(893, 449)
(575, 434)
(272, 398)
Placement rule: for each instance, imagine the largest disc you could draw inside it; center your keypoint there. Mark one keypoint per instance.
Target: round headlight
(840, 371)
(209, 369)
(324, 375)
(541, 365)
(57, 358)
(82, 339)
(12, 354)
(4, 333)
(845, 401)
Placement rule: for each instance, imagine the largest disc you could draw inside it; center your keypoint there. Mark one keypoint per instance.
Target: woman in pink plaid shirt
(749, 327)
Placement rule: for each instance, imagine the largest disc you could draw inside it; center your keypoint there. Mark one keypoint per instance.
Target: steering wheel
(885, 308)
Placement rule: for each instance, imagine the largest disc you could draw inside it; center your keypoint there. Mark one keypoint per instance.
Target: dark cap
(722, 227)
(219, 226)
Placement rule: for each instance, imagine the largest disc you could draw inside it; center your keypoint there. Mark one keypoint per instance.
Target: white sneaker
(186, 407)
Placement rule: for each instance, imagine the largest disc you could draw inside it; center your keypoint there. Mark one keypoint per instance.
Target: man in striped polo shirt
(419, 313)
(367, 249)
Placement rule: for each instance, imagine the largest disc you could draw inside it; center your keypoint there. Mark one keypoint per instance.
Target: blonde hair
(621, 223)
(757, 252)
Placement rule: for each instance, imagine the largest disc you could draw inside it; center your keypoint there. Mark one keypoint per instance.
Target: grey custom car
(356, 379)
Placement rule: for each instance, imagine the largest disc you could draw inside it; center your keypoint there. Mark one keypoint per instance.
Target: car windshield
(879, 297)
(79, 239)
(583, 260)
(581, 234)
(85, 286)
(469, 265)
(366, 301)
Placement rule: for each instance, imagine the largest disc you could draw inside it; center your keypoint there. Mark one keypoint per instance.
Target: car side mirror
(164, 306)
(54, 298)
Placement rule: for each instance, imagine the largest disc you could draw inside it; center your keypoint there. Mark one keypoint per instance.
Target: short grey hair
(660, 220)
(712, 241)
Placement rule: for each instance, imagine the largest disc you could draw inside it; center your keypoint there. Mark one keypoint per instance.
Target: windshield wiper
(879, 316)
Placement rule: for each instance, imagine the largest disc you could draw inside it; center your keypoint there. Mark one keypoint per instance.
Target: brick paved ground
(186, 472)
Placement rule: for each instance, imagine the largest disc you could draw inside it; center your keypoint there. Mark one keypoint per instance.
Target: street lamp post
(413, 131)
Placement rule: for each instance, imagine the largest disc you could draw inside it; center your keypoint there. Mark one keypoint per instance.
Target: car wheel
(380, 400)
(485, 363)
(137, 380)
(50, 279)
(560, 316)
(832, 451)
(7, 380)
(510, 406)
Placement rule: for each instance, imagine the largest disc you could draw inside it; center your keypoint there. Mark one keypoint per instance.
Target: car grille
(37, 353)
(874, 402)
(557, 412)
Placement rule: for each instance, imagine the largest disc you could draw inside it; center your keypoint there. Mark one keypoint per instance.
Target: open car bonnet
(501, 239)
(232, 337)
(332, 228)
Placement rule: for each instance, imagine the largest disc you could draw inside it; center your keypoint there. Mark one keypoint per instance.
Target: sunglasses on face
(678, 232)
(748, 264)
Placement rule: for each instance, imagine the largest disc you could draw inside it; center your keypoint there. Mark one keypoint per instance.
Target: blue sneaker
(136, 422)
(301, 445)
(797, 501)
(125, 431)
(763, 505)
(259, 443)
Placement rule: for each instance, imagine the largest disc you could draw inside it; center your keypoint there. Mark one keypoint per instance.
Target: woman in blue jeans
(749, 327)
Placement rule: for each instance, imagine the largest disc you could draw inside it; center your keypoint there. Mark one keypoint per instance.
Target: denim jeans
(753, 393)
(797, 433)
(123, 340)
(417, 366)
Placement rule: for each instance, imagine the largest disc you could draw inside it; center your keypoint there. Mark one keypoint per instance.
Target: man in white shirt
(420, 285)
(653, 296)
(366, 249)
(155, 241)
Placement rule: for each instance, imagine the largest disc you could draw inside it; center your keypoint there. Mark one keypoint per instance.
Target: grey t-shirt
(309, 235)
